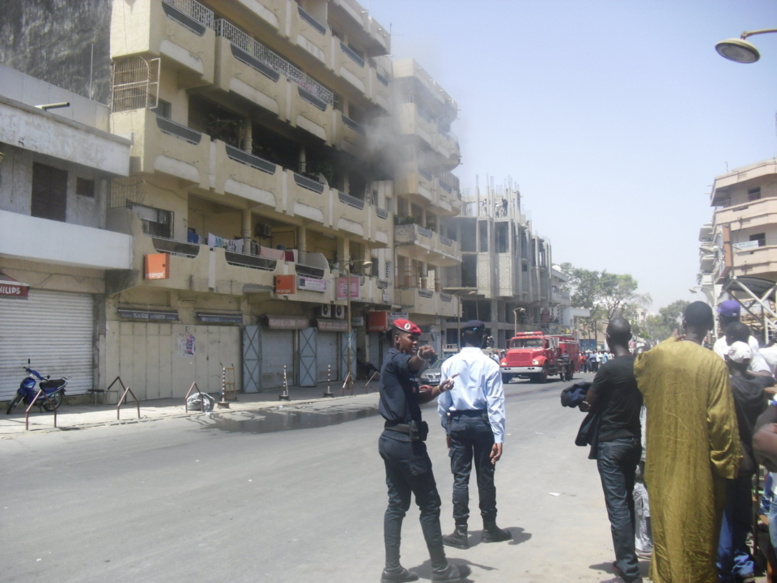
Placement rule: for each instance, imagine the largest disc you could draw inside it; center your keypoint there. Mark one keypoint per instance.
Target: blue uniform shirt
(478, 387)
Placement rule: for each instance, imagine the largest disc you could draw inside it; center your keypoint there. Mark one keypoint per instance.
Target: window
(49, 192)
(85, 187)
(156, 222)
(760, 237)
(753, 194)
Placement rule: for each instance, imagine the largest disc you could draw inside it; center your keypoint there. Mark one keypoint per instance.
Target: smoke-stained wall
(52, 40)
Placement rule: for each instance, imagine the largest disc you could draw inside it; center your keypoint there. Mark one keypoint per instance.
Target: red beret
(406, 326)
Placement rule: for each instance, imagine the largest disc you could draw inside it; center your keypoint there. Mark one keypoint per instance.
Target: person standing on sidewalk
(473, 415)
(692, 449)
(615, 396)
(402, 447)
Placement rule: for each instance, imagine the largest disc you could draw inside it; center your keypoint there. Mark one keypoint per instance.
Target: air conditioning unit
(338, 312)
(324, 311)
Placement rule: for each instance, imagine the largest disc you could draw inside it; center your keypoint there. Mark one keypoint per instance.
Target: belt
(467, 413)
(395, 426)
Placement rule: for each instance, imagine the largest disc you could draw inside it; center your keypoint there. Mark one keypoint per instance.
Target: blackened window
(85, 187)
(49, 192)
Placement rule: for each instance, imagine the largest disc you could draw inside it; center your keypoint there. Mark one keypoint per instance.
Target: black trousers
(409, 471)
(471, 442)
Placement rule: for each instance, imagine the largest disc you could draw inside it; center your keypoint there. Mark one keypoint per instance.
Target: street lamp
(349, 326)
(739, 50)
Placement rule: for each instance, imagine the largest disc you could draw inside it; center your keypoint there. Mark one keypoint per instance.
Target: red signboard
(343, 287)
(11, 288)
(285, 285)
(157, 266)
(377, 321)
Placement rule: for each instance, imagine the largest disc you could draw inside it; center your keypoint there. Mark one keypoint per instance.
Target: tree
(660, 326)
(605, 295)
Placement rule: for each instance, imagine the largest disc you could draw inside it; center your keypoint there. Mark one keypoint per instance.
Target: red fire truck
(536, 355)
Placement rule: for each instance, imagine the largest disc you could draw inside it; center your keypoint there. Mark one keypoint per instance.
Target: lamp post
(739, 50)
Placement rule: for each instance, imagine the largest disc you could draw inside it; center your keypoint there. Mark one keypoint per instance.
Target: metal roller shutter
(326, 351)
(55, 330)
(277, 351)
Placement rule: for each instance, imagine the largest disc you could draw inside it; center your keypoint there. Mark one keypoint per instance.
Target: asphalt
(83, 415)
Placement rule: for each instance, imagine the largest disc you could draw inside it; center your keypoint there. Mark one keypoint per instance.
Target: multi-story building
(57, 160)
(260, 198)
(505, 274)
(738, 251)
(427, 197)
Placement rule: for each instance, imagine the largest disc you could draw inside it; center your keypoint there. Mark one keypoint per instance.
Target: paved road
(202, 499)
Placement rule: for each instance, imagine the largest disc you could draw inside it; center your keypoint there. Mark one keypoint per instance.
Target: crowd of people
(680, 430)
(677, 432)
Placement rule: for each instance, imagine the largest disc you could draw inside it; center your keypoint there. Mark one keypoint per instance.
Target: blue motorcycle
(50, 399)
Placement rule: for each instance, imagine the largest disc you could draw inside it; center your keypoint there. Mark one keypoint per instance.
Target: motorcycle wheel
(53, 402)
(12, 405)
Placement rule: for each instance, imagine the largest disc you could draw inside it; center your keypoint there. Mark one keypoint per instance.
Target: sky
(613, 117)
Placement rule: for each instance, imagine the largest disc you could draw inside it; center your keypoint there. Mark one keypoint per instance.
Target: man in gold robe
(692, 448)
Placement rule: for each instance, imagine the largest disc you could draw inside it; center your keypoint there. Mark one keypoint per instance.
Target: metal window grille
(256, 49)
(127, 190)
(195, 10)
(135, 84)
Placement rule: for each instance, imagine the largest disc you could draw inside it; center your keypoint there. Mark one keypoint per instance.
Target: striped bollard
(328, 392)
(285, 394)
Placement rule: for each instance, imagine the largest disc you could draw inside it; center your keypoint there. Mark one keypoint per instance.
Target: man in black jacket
(614, 395)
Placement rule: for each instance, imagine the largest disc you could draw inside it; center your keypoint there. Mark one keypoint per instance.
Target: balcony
(63, 243)
(423, 244)
(760, 214)
(350, 65)
(375, 291)
(354, 20)
(756, 262)
(249, 177)
(161, 145)
(379, 87)
(181, 32)
(260, 75)
(248, 75)
(428, 302)
(202, 268)
(419, 185)
(310, 34)
(349, 135)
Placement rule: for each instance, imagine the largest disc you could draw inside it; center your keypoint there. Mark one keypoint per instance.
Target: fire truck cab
(536, 355)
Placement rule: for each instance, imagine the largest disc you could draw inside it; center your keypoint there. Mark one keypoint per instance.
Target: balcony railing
(350, 200)
(190, 14)
(354, 56)
(250, 160)
(265, 56)
(353, 125)
(175, 247)
(311, 21)
(308, 183)
(251, 261)
(179, 131)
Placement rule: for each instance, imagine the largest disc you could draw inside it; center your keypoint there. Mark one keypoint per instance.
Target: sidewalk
(82, 416)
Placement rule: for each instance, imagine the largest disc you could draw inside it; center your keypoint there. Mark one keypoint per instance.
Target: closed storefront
(277, 352)
(327, 355)
(55, 331)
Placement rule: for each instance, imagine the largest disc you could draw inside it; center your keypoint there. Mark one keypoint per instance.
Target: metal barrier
(124, 399)
(285, 394)
(34, 402)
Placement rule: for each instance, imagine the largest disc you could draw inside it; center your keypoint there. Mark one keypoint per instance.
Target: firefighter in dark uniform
(402, 447)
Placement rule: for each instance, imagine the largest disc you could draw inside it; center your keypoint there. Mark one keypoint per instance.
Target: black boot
(458, 538)
(397, 575)
(450, 573)
(493, 534)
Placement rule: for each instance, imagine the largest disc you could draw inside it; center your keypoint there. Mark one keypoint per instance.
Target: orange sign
(377, 321)
(285, 284)
(157, 266)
